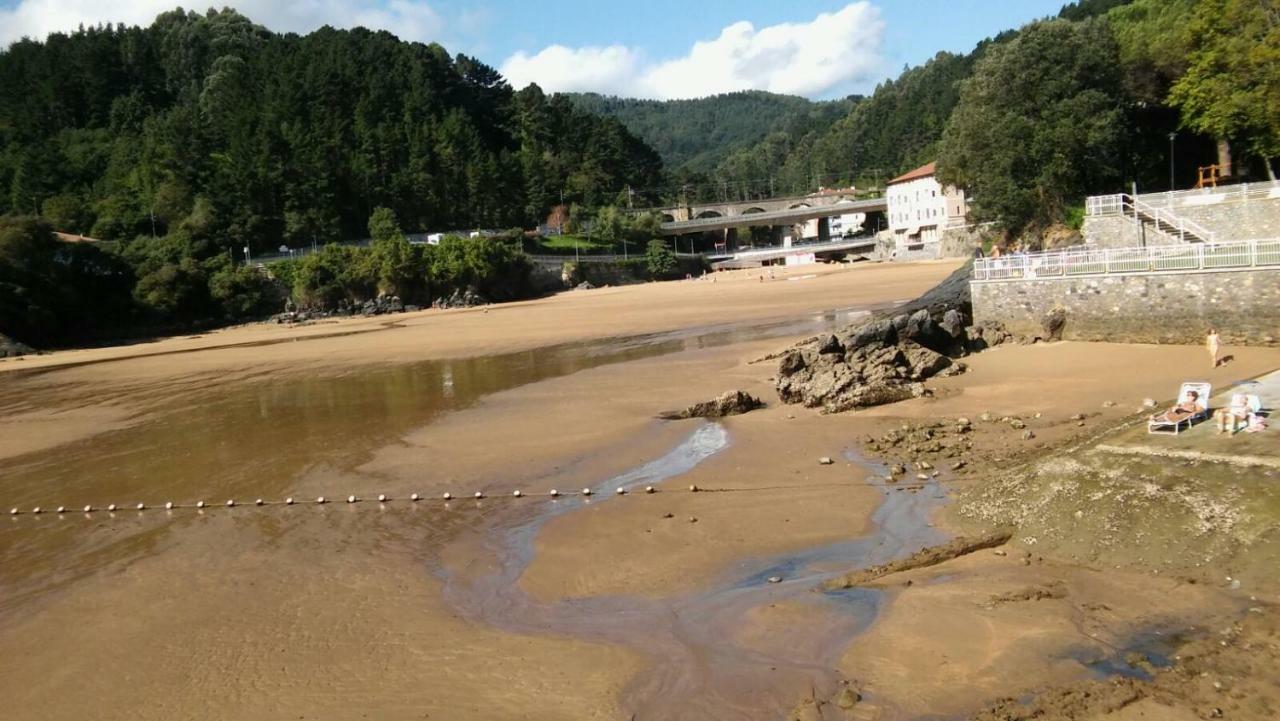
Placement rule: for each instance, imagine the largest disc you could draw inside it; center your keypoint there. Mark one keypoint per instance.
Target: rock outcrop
(730, 403)
(10, 348)
(887, 358)
(466, 298)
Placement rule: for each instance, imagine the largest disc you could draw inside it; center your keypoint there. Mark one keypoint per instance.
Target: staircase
(1160, 220)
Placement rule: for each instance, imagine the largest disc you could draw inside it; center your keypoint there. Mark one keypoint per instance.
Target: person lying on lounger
(1230, 418)
(1181, 412)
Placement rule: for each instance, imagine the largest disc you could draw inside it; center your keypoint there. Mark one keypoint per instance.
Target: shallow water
(271, 436)
(699, 667)
(263, 438)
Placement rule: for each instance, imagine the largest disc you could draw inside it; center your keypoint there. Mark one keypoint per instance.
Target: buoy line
(383, 499)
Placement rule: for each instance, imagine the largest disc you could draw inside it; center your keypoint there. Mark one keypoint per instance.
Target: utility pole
(630, 195)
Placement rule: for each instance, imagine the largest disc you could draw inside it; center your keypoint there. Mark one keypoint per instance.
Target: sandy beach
(645, 606)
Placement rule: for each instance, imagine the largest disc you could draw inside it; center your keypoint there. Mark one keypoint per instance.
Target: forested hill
(225, 134)
(696, 135)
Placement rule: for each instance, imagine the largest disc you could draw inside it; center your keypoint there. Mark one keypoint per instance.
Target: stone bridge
(698, 211)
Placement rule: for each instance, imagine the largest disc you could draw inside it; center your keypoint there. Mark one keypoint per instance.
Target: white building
(920, 208)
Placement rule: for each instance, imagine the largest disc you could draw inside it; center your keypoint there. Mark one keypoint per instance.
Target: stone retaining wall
(1228, 219)
(1151, 308)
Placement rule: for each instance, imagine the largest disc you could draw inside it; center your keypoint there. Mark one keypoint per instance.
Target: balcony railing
(1070, 263)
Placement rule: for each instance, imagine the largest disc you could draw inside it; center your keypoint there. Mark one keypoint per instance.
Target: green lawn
(564, 245)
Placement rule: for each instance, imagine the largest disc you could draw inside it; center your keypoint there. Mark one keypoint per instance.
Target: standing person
(1212, 343)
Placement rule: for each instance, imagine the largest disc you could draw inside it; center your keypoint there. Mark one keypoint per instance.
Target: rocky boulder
(10, 348)
(466, 298)
(730, 403)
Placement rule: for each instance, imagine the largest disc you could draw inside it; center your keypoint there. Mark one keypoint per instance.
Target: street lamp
(1171, 137)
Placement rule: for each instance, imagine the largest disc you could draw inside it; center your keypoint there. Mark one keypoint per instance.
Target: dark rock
(791, 363)
(466, 298)
(954, 323)
(730, 403)
(10, 348)
(1053, 322)
(829, 345)
(584, 285)
(923, 362)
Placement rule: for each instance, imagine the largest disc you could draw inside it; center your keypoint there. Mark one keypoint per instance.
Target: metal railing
(1164, 221)
(1241, 192)
(1074, 262)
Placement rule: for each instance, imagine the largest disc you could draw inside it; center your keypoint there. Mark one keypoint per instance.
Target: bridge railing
(1074, 262)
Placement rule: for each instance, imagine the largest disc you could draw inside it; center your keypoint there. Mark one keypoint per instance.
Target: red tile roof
(923, 171)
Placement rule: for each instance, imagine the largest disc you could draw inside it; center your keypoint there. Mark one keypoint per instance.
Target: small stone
(775, 579)
(1081, 424)
(985, 417)
(1000, 552)
(693, 519)
(1109, 404)
(668, 515)
(958, 465)
(962, 421)
(1028, 435)
(922, 477)
(897, 470)
(1148, 403)
(925, 466)
(848, 698)
(1077, 417)
(825, 461)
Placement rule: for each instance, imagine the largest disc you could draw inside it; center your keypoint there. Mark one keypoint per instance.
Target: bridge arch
(752, 210)
(668, 218)
(797, 206)
(710, 214)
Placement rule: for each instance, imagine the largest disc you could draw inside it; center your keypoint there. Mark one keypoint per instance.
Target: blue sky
(654, 48)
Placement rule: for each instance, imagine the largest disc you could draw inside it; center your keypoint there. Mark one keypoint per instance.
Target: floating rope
(413, 498)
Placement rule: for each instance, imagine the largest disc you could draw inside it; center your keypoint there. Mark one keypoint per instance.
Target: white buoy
(351, 499)
(554, 493)
(649, 489)
(111, 507)
(231, 503)
(168, 505)
(88, 509)
(199, 504)
(414, 497)
(320, 500)
(288, 501)
(62, 509)
(382, 498)
(586, 491)
(622, 491)
(258, 502)
(516, 493)
(447, 495)
(479, 494)
(142, 506)
(36, 510)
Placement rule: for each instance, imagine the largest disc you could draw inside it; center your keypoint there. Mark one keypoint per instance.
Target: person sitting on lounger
(1232, 416)
(1181, 412)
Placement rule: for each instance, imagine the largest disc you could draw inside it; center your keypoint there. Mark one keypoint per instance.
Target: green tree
(1038, 125)
(659, 259)
(1231, 89)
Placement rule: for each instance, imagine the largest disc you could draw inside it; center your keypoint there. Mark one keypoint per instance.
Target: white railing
(1241, 192)
(1110, 204)
(1074, 262)
(1140, 211)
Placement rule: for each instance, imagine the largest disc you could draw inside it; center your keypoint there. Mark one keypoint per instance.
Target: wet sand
(344, 611)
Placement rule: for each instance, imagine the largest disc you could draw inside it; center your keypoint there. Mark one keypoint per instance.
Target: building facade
(920, 208)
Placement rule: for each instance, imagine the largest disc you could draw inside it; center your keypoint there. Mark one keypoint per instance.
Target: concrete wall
(1155, 308)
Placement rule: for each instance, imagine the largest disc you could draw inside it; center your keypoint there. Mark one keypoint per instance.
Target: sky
(660, 49)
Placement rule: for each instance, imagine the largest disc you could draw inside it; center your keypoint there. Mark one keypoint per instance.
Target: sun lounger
(1175, 421)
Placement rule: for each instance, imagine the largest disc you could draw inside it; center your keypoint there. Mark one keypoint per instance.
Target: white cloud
(832, 52)
(409, 20)
(560, 69)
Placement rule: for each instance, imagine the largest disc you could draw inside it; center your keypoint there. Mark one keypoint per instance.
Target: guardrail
(1235, 255)
(1269, 190)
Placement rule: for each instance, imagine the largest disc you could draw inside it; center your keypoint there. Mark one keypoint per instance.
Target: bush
(659, 259)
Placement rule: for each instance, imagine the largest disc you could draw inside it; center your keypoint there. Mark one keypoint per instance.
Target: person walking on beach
(1212, 343)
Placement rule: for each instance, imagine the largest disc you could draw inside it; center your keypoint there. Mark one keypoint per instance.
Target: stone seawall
(1152, 308)
(1229, 219)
